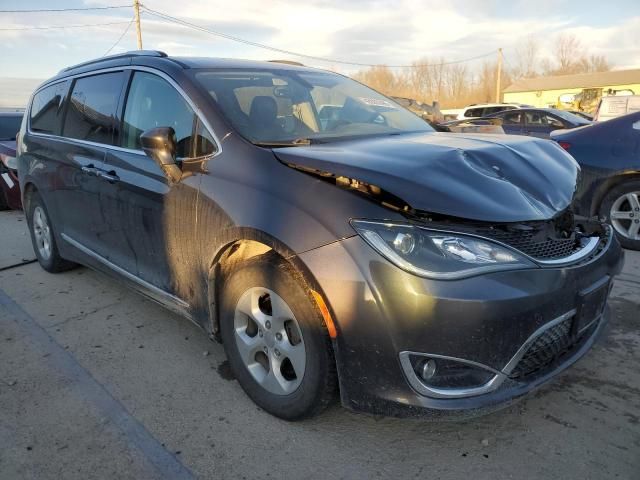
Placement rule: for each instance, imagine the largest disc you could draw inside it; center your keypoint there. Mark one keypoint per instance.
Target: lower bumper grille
(549, 348)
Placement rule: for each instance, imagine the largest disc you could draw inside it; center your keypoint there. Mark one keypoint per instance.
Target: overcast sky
(377, 32)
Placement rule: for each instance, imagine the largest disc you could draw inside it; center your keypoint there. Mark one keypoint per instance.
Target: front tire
(621, 208)
(43, 238)
(274, 337)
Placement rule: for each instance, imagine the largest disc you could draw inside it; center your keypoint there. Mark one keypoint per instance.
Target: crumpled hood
(496, 178)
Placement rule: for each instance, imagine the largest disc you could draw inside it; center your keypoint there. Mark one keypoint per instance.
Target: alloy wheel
(625, 215)
(42, 232)
(269, 340)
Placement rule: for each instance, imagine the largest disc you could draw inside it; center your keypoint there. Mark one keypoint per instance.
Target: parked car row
(607, 152)
(478, 110)
(417, 272)
(9, 185)
(609, 186)
(536, 122)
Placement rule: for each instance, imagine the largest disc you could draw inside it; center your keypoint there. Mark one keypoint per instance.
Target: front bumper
(381, 311)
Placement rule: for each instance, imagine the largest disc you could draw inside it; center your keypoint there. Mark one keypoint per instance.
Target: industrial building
(547, 91)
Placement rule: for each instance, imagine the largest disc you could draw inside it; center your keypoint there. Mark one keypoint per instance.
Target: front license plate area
(591, 303)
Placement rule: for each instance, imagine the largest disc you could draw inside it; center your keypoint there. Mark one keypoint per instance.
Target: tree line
(455, 85)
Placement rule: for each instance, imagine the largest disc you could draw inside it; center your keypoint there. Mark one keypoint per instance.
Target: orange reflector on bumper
(333, 333)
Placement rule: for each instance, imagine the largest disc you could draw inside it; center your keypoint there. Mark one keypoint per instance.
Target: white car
(614, 106)
(477, 110)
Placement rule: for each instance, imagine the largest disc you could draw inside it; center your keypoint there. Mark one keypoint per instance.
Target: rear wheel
(43, 239)
(275, 340)
(621, 208)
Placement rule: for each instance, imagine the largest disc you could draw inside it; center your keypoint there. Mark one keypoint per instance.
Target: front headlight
(438, 254)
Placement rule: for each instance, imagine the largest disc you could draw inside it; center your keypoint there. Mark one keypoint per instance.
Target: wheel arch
(243, 243)
(609, 184)
(27, 192)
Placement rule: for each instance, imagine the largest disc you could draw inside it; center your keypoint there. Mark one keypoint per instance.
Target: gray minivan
(412, 271)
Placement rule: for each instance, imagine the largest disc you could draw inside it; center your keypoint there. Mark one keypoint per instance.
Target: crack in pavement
(81, 315)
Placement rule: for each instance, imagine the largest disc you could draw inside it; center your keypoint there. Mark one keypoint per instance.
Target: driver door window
(153, 102)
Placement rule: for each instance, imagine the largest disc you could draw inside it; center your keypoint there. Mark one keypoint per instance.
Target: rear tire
(43, 237)
(282, 319)
(621, 209)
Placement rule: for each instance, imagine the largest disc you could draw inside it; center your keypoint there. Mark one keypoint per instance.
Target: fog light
(428, 369)
(447, 373)
(404, 243)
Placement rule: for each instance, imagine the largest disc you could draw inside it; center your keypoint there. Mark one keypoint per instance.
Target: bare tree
(527, 52)
(597, 63)
(571, 57)
(568, 51)
(379, 78)
(457, 85)
(457, 82)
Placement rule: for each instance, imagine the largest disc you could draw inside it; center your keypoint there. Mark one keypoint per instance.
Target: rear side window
(512, 118)
(46, 108)
(153, 102)
(91, 114)
(473, 112)
(490, 110)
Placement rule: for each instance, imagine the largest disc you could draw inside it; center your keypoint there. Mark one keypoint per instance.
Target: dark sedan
(417, 272)
(537, 122)
(9, 185)
(609, 155)
(534, 122)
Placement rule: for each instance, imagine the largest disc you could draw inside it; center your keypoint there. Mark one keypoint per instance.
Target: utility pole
(499, 75)
(136, 11)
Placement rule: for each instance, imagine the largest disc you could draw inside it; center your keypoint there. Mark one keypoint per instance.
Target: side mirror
(160, 144)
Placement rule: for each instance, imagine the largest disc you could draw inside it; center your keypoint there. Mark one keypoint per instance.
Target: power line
(51, 27)
(184, 23)
(120, 37)
(51, 10)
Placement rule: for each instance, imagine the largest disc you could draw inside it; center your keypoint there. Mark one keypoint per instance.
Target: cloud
(367, 31)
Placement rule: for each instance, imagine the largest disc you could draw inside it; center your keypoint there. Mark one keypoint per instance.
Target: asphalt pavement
(97, 382)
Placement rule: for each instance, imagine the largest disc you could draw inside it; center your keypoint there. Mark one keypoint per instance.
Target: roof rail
(132, 53)
(287, 62)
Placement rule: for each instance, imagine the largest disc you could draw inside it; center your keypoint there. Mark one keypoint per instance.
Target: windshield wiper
(298, 142)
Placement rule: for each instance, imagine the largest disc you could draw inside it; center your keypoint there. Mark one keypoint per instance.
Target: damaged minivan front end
(327, 236)
(477, 285)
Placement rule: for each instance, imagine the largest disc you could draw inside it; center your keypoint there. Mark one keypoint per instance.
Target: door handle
(110, 177)
(90, 170)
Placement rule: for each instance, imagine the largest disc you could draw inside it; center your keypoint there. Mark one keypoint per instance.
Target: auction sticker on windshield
(376, 102)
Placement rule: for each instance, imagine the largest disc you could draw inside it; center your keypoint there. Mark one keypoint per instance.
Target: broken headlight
(438, 254)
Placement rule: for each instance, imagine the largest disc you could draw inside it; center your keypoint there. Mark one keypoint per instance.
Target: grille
(546, 349)
(529, 242)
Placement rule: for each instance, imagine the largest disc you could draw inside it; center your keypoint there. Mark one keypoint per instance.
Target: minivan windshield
(282, 107)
